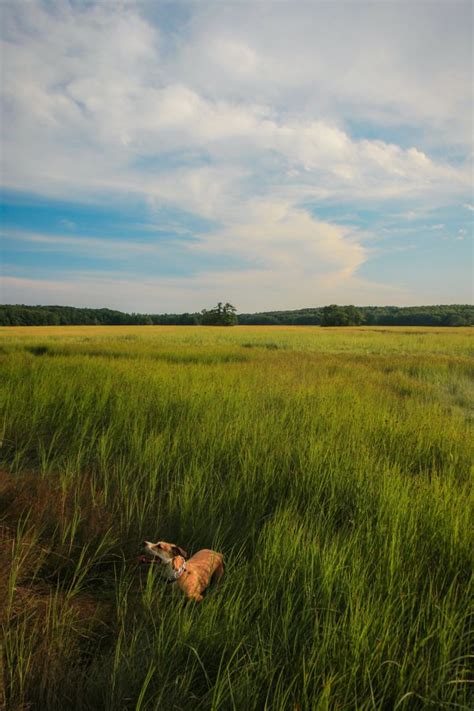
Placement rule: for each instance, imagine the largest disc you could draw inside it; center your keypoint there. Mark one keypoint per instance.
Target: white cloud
(391, 62)
(92, 101)
(242, 117)
(277, 237)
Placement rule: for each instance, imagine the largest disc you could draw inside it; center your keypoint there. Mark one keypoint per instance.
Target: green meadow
(331, 467)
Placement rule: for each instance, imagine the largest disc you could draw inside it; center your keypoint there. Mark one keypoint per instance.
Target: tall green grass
(333, 470)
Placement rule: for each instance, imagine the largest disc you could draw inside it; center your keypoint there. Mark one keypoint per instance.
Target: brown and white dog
(191, 575)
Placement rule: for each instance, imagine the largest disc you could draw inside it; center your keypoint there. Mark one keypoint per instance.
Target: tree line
(22, 315)
(335, 315)
(225, 314)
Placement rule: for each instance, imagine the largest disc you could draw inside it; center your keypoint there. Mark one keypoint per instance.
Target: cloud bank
(252, 116)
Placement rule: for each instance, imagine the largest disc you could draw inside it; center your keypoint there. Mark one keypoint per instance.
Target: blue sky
(162, 156)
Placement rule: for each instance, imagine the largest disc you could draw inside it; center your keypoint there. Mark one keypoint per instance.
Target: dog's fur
(198, 571)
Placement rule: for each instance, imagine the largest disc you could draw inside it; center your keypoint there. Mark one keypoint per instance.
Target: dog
(192, 575)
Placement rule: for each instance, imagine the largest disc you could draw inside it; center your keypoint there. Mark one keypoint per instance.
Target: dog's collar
(176, 574)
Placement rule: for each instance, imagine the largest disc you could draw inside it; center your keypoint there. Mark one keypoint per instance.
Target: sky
(163, 156)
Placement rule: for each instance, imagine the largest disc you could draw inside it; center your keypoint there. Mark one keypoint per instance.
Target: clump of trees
(340, 316)
(220, 315)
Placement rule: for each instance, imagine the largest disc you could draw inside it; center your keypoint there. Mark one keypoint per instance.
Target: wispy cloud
(244, 287)
(101, 247)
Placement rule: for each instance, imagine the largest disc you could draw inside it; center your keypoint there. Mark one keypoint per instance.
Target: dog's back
(206, 564)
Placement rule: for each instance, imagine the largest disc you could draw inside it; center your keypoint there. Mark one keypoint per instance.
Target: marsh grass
(333, 470)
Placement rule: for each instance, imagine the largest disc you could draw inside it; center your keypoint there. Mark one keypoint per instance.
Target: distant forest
(333, 315)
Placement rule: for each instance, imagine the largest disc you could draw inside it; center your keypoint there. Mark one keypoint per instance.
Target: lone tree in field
(220, 315)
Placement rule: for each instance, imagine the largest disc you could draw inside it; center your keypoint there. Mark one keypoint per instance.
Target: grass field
(331, 467)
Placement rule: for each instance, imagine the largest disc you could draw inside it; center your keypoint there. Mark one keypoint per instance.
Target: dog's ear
(176, 550)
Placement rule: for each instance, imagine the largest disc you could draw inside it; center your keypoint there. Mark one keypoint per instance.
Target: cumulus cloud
(278, 237)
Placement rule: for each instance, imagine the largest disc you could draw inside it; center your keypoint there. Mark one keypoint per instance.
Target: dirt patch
(42, 503)
(47, 620)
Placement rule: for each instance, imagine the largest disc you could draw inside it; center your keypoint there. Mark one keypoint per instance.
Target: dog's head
(165, 551)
